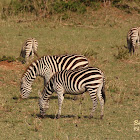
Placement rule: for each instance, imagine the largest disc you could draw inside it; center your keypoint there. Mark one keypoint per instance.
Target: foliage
(43, 7)
(20, 6)
(126, 5)
(12, 59)
(74, 6)
(9, 58)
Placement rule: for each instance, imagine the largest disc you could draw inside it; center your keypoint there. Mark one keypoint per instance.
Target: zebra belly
(75, 92)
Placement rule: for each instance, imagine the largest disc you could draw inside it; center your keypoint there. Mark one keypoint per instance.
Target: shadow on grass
(54, 116)
(36, 97)
(19, 98)
(66, 116)
(55, 97)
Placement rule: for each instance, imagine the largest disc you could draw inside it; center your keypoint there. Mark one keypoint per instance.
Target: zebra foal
(133, 39)
(29, 49)
(74, 82)
(47, 66)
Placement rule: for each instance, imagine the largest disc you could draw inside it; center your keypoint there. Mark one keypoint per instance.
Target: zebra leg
(27, 57)
(60, 101)
(101, 96)
(32, 55)
(45, 82)
(128, 45)
(133, 49)
(92, 93)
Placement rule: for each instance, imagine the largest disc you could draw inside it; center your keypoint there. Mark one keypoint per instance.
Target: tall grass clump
(90, 53)
(7, 58)
(123, 53)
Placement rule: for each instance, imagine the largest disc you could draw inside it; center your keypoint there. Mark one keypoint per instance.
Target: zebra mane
(31, 65)
(35, 61)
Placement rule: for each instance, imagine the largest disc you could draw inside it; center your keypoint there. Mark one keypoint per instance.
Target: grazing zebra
(29, 49)
(74, 82)
(133, 38)
(48, 66)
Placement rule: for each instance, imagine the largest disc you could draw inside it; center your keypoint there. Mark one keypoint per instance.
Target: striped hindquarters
(133, 37)
(29, 48)
(80, 80)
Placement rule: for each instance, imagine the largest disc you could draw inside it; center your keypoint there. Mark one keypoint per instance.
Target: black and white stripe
(75, 82)
(133, 39)
(29, 49)
(47, 66)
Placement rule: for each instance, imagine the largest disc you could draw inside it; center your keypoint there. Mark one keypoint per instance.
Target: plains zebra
(47, 66)
(133, 38)
(29, 48)
(75, 82)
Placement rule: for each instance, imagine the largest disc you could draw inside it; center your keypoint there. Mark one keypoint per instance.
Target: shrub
(74, 6)
(42, 6)
(20, 6)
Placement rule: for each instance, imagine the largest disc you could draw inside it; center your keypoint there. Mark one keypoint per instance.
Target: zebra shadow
(66, 97)
(21, 99)
(36, 97)
(54, 116)
(67, 116)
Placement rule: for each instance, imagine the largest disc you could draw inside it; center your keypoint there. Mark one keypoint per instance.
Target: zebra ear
(39, 94)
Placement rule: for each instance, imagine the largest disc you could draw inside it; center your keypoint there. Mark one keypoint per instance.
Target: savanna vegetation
(94, 28)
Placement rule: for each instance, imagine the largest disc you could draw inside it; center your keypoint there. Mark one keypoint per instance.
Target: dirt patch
(11, 66)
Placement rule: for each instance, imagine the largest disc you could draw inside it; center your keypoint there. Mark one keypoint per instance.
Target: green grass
(19, 118)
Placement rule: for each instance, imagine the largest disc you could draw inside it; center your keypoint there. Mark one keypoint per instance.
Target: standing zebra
(48, 66)
(75, 82)
(29, 49)
(133, 39)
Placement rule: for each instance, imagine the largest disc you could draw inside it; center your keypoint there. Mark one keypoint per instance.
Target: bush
(42, 6)
(126, 5)
(20, 6)
(74, 6)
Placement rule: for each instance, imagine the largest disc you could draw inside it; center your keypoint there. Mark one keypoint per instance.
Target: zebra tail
(103, 91)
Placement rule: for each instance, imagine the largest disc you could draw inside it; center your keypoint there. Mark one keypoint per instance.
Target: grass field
(97, 36)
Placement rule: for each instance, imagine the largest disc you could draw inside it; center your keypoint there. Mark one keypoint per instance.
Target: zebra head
(25, 89)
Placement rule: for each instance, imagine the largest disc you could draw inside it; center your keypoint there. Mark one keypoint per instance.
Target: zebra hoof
(41, 116)
(57, 116)
(101, 117)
